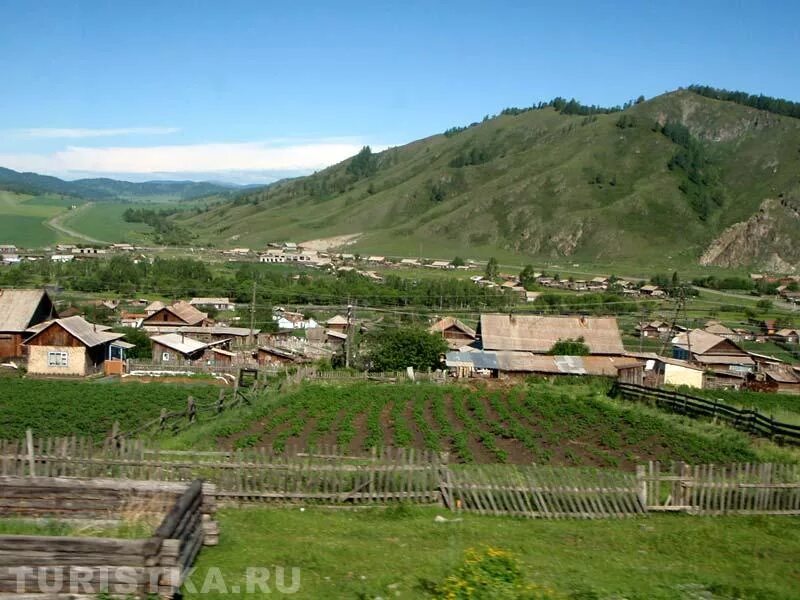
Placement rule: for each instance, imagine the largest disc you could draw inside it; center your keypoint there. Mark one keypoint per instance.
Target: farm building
(537, 334)
(337, 323)
(180, 314)
(271, 356)
(217, 303)
(721, 330)
(512, 363)
(239, 337)
(293, 320)
(72, 346)
(455, 333)
(178, 348)
(671, 371)
(334, 338)
(20, 310)
(713, 352)
(154, 307)
(654, 329)
(788, 336)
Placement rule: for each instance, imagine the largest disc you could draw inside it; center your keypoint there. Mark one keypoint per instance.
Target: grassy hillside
(23, 218)
(602, 188)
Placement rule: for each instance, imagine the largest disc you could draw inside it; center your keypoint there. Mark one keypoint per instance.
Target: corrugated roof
(722, 359)
(89, 334)
(17, 308)
(337, 320)
(154, 306)
(719, 329)
(527, 362)
(476, 360)
(538, 334)
(180, 343)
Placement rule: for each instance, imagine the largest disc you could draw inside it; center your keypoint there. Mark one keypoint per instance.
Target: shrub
(491, 573)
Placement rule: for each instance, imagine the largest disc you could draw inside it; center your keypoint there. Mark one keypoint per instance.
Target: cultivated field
(82, 408)
(537, 423)
(23, 219)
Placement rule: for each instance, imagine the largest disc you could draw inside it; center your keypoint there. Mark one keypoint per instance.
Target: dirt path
(55, 223)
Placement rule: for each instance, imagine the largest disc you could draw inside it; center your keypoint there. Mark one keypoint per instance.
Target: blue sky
(250, 91)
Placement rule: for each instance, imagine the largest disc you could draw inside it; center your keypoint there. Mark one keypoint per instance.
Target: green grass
(103, 220)
(391, 553)
(23, 218)
(537, 196)
(83, 408)
(55, 527)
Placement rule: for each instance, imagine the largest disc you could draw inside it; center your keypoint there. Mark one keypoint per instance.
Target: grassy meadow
(400, 552)
(23, 219)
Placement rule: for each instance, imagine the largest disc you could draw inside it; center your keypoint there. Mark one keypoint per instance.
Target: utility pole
(347, 341)
(253, 314)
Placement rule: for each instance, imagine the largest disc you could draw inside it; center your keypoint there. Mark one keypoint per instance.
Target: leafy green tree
(492, 269)
(570, 347)
(143, 345)
(394, 349)
(527, 277)
(363, 164)
(457, 262)
(764, 304)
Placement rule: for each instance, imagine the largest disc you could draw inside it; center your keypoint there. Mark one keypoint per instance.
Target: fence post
(221, 401)
(162, 419)
(31, 458)
(191, 410)
(641, 485)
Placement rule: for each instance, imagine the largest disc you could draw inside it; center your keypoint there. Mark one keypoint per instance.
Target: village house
(538, 334)
(217, 303)
(180, 349)
(779, 379)
(654, 329)
(716, 354)
(651, 290)
(768, 327)
(8, 249)
(674, 372)
(123, 247)
(409, 262)
(721, 330)
(62, 258)
(441, 264)
(376, 260)
(271, 356)
(20, 310)
(293, 320)
(154, 307)
(72, 347)
(129, 319)
(10, 259)
(180, 314)
(788, 336)
(238, 337)
(335, 339)
(272, 256)
(454, 332)
(337, 323)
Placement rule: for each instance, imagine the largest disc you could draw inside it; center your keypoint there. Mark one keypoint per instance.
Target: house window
(57, 359)
(165, 357)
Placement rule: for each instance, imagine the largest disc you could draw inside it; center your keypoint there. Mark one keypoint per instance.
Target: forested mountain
(649, 182)
(106, 189)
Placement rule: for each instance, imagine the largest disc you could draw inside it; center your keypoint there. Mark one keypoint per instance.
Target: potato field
(541, 423)
(64, 408)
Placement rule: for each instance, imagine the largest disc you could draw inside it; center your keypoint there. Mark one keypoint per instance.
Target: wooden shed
(19, 311)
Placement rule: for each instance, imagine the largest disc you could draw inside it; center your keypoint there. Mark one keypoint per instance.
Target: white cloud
(47, 132)
(192, 158)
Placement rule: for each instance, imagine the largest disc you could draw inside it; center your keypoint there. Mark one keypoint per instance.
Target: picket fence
(330, 475)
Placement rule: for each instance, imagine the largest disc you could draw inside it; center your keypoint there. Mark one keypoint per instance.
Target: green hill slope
(107, 189)
(602, 188)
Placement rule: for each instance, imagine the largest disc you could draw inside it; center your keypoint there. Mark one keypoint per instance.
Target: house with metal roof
(72, 346)
(454, 332)
(180, 314)
(713, 352)
(20, 310)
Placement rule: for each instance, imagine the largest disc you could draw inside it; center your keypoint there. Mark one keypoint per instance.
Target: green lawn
(390, 553)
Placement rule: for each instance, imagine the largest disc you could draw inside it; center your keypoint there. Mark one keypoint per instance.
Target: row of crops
(65, 408)
(536, 423)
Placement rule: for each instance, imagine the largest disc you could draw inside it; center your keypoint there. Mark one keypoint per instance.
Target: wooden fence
(748, 420)
(743, 488)
(329, 476)
(157, 564)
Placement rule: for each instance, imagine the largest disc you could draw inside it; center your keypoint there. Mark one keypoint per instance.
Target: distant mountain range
(695, 176)
(109, 189)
